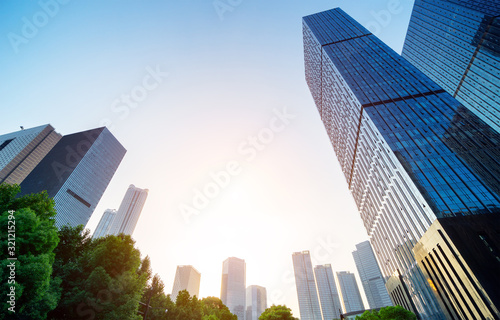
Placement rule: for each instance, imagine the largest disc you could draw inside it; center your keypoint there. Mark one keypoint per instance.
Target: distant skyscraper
(22, 150)
(409, 151)
(130, 209)
(186, 278)
(256, 302)
(233, 288)
(104, 225)
(455, 43)
(327, 291)
(306, 286)
(351, 298)
(371, 277)
(76, 172)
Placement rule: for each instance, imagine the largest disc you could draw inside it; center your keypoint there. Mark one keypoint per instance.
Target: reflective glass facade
(186, 278)
(76, 173)
(256, 302)
(105, 223)
(457, 44)
(351, 298)
(460, 257)
(306, 286)
(21, 151)
(129, 211)
(409, 151)
(327, 291)
(371, 278)
(233, 287)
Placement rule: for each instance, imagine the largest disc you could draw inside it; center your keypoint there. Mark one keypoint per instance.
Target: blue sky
(183, 86)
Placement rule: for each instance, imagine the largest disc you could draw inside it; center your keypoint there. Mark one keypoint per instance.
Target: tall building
(351, 298)
(455, 43)
(327, 292)
(21, 151)
(186, 278)
(233, 287)
(76, 173)
(105, 223)
(371, 277)
(130, 209)
(409, 151)
(256, 302)
(306, 286)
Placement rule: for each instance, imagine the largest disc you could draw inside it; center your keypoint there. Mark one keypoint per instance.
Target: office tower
(409, 151)
(233, 287)
(351, 298)
(130, 209)
(371, 276)
(306, 286)
(327, 292)
(76, 172)
(186, 278)
(256, 302)
(104, 225)
(21, 151)
(455, 43)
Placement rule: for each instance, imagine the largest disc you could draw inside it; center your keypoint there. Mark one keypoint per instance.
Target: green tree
(30, 220)
(214, 309)
(388, 313)
(279, 312)
(158, 301)
(102, 278)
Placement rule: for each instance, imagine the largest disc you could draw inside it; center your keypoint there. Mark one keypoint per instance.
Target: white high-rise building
(105, 223)
(371, 276)
(306, 286)
(256, 302)
(130, 209)
(233, 287)
(327, 292)
(21, 151)
(186, 278)
(351, 298)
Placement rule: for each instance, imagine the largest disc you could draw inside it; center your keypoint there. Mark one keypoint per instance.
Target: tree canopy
(388, 313)
(279, 312)
(29, 234)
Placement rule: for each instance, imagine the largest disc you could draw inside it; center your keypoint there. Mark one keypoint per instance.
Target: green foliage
(214, 309)
(102, 278)
(36, 291)
(279, 312)
(388, 313)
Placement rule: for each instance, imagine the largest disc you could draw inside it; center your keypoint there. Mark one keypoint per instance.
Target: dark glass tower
(457, 44)
(76, 173)
(409, 151)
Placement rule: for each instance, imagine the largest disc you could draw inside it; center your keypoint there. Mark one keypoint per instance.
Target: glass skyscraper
(409, 151)
(256, 302)
(456, 44)
(351, 298)
(306, 286)
(371, 278)
(327, 292)
(21, 151)
(130, 209)
(104, 224)
(186, 278)
(233, 286)
(76, 173)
